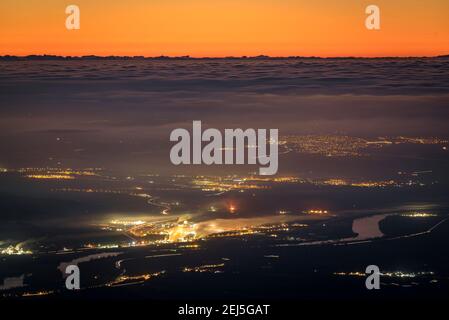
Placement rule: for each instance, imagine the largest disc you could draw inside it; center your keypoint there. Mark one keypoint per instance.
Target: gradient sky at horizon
(225, 27)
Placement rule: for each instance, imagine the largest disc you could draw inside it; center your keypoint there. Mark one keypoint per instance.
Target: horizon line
(261, 56)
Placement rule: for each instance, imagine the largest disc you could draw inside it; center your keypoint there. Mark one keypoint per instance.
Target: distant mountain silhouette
(260, 57)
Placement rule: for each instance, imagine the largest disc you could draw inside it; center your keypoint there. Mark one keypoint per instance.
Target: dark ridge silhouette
(259, 57)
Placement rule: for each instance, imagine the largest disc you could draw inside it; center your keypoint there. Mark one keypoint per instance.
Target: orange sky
(225, 27)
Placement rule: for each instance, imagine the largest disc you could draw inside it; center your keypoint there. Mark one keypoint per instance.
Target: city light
(15, 250)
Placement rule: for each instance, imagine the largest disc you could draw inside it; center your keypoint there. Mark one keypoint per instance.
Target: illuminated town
(347, 146)
(392, 274)
(15, 250)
